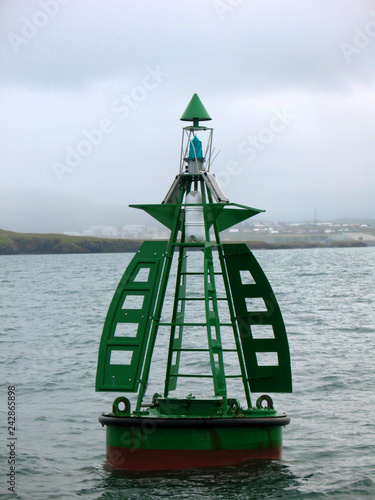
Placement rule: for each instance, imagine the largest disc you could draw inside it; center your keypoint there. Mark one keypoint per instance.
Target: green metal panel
(212, 212)
(128, 322)
(262, 330)
(224, 216)
(165, 214)
(231, 216)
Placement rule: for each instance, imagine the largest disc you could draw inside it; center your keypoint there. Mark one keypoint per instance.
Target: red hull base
(153, 460)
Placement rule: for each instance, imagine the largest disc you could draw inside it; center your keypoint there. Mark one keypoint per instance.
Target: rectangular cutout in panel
(121, 357)
(216, 361)
(255, 304)
(174, 358)
(126, 330)
(262, 332)
(142, 275)
(267, 358)
(133, 302)
(246, 277)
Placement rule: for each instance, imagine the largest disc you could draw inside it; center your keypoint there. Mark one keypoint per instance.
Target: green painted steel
(165, 214)
(127, 325)
(223, 214)
(191, 407)
(195, 111)
(152, 437)
(231, 216)
(262, 330)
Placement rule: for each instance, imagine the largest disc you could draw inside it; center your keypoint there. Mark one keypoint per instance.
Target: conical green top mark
(195, 112)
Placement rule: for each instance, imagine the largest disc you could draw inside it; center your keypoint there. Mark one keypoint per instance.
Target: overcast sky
(92, 92)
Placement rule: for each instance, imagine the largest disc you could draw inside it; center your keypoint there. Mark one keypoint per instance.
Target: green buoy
(224, 334)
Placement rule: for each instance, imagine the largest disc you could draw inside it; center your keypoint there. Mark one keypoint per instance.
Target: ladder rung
(200, 244)
(229, 350)
(200, 298)
(197, 273)
(233, 376)
(186, 349)
(193, 324)
(193, 376)
(191, 298)
(188, 244)
(183, 324)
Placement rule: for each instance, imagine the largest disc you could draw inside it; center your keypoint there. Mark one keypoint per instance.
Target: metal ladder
(212, 324)
(177, 324)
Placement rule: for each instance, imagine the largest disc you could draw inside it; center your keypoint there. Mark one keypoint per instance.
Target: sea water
(52, 312)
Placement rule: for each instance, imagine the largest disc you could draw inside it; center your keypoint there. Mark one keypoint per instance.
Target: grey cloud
(89, 62)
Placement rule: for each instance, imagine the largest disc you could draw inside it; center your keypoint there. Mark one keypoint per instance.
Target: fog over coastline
(91, 94)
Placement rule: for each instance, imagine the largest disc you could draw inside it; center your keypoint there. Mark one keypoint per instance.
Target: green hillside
(12, 243)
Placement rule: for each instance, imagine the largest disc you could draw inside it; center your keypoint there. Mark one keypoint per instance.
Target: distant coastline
(12, 243)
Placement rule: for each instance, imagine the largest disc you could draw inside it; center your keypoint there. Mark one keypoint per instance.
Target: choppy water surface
(52, 312)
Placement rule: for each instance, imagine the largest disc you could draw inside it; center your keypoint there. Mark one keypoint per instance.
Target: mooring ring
(115, 406)
(268, 400)
(233, 406)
